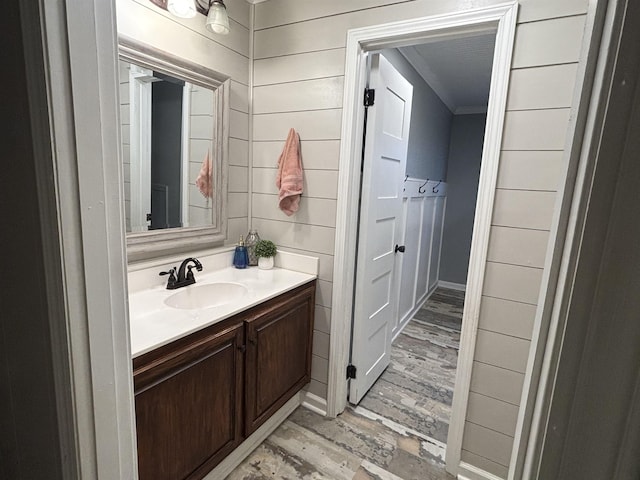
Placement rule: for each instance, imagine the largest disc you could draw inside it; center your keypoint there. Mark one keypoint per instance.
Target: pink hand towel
(204, 182)
(289, 180)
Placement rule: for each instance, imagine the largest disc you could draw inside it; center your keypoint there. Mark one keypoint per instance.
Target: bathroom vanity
(218, 364)
(219, 372)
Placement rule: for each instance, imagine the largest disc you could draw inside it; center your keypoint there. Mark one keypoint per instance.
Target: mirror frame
(155, 243)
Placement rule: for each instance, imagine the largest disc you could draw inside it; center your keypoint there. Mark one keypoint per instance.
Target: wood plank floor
(416, 389)
(399, 429)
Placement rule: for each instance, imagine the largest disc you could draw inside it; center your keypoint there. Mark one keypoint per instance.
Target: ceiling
(457, 69)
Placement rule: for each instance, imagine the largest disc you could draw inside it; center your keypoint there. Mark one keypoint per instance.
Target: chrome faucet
(185, 275)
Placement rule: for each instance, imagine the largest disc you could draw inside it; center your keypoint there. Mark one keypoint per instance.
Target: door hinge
(351, 371)
(369, 97)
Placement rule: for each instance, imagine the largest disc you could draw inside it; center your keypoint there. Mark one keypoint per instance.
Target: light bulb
(182, 8)
(217, 20)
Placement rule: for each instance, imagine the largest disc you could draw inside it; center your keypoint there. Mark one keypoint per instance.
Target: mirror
(167, 139)
(174, 125)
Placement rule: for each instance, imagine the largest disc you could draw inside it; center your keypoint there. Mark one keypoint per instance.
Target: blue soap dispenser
(241, 256)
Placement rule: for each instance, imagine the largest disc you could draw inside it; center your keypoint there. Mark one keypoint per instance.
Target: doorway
(423, 292)
(166, 145)
(156, 127)
(501, 20)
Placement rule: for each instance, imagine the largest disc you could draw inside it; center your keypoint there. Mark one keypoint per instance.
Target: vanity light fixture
(182, 8)
(215, 11)
(217, 18)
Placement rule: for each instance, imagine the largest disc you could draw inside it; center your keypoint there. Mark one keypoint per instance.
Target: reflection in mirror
(174, 120)
(167, 136)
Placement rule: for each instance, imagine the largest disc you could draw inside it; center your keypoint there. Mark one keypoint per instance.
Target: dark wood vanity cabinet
(278, 361)
(188, 399)
(199, 397)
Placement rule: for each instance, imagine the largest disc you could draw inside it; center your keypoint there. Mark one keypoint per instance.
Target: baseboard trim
(419, 304)
(453, 286)
(314, 403)
(466, 471)
(236, 457)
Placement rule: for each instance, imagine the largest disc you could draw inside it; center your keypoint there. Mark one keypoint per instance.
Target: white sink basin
(206, 296)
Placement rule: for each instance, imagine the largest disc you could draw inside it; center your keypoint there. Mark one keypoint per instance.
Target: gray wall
(465, 155)
(430, 124)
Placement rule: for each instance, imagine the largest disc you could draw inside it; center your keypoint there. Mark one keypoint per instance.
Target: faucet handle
(172, 277)
(189, 272)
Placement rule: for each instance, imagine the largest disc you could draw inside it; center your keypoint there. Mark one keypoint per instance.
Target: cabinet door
(278, 354)
(189, 405)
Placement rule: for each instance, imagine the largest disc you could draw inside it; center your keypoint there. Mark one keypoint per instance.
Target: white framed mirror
(175, 134)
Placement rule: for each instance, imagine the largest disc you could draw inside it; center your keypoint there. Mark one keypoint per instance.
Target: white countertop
(153, 324)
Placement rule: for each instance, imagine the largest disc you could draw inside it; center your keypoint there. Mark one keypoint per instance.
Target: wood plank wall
(125, 131)
(299, 49)
(229, 55)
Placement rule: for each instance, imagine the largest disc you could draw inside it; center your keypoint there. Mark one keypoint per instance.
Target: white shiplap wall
(125, 132)
(299, 49)
(200, 142)
(306, 95)
(227, 55)
(540, 97)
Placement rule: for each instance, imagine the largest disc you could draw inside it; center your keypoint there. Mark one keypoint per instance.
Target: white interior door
(385, 158)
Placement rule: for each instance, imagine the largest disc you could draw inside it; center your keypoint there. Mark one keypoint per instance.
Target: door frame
(86, 231)
(502, 19)
(185, 151)
(140, 101)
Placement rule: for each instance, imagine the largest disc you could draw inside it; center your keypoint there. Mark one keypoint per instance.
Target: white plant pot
(265, 263)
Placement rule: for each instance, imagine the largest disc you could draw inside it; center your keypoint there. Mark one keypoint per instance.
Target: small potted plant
(265, 250)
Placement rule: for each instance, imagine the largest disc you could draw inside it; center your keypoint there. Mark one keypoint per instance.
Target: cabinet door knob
(252, 341)
(242, 348)
(399, 248)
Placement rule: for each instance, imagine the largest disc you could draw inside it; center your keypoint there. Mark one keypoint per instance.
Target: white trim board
(469, 472)
(461, 287)
(140, 101)
(314, 403)
(185, 150)
(79, 38)
(360, 41)
(413, 312)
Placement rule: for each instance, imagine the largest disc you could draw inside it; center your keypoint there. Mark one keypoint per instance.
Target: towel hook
(405, 181)
(435, 189)
(421, 187)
